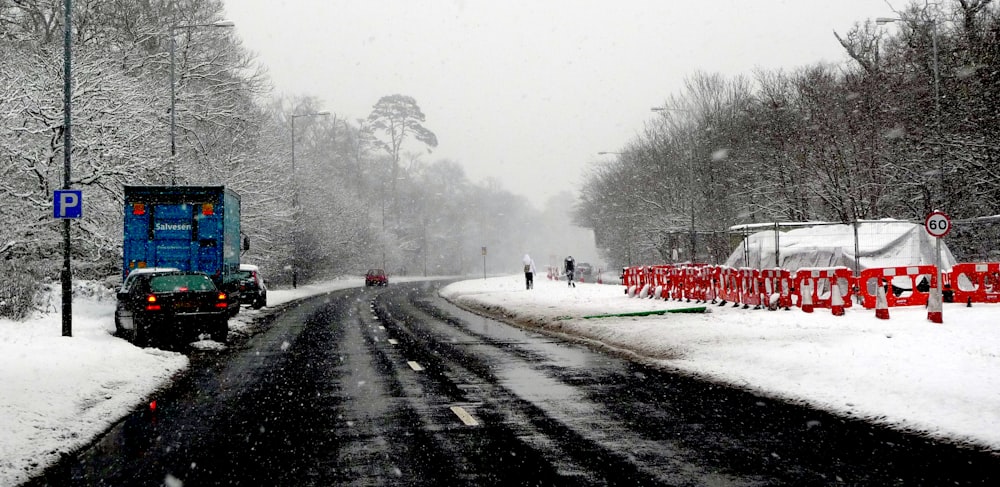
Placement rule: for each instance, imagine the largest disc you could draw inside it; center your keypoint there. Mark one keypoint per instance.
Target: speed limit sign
(937, 224)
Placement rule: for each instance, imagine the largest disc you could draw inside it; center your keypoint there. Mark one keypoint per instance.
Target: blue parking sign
(67, 203)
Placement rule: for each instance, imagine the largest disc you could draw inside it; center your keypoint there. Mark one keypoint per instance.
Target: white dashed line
(392, 341)
(464, 416)
(415, 366)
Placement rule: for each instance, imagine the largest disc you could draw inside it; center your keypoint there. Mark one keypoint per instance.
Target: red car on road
(376, 277)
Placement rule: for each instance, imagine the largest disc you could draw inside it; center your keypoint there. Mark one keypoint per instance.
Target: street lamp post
(173, 95)
(937, 86)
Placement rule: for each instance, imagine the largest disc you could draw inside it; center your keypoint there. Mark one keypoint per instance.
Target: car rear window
(181, 282)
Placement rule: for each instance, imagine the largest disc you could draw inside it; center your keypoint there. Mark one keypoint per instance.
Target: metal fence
(975, 239)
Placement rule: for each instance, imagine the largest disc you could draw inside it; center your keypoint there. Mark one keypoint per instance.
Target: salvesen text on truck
(191, 228)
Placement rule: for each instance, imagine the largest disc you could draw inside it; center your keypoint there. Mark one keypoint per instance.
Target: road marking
(380, 327)
(392, 341)
(464, 416)
(415, 366)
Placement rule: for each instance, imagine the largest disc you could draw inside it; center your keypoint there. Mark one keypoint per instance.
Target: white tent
(882, 243)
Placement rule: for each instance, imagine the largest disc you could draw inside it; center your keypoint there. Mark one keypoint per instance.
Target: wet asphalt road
(396, 387)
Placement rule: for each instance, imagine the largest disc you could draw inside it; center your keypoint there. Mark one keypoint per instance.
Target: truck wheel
(220, 331)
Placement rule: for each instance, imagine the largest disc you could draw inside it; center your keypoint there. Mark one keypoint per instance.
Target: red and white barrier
(775, 286)
(915, 295)
(821, 281)
(975, 282)
(818, 287)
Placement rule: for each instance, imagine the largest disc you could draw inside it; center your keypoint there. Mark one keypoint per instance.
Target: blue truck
(191, 228)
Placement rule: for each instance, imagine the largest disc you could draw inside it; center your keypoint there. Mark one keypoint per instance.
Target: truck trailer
(191, 228)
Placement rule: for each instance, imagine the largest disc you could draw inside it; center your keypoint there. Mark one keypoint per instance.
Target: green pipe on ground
(696, 309)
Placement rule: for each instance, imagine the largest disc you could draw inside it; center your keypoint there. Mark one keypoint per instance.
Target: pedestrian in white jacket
(529, 271)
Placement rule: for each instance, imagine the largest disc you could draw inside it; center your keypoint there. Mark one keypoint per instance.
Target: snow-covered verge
(942, 380)
(58, 393)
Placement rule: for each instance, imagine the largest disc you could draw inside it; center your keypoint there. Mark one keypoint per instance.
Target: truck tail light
(138, 208)
(207, 209)
(151, 304)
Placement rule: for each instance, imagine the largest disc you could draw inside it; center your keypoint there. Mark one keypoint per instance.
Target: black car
(253, 290)
(170, 305)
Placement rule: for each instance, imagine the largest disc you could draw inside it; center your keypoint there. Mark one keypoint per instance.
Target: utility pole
(67, 273)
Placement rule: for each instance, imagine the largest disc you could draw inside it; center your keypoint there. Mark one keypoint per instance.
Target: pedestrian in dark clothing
(570, 265)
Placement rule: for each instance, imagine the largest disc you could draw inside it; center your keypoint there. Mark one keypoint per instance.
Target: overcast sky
(529, 91)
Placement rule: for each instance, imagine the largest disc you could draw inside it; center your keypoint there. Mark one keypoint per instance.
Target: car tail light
(222, 301)
(151, 304)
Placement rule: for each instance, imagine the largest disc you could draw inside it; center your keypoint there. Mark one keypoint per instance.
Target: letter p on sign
(68, 203)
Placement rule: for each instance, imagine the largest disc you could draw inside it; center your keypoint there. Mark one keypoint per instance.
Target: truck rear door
(172, 228)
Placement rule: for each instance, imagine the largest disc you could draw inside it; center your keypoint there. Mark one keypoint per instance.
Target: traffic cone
(786, 296)
(836, 300)
(934, 308)
(881, 304)
(807, 298)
